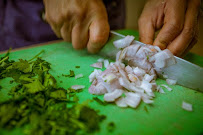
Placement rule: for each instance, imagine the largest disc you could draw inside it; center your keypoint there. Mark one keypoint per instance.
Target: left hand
(178, 21)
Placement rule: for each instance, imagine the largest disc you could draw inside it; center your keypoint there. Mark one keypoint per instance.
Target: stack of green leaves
(36, 101)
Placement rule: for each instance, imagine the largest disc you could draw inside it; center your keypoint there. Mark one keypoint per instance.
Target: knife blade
(186, 73)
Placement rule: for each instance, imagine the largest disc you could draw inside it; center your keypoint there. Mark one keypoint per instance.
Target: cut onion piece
(187, 106)
(164, 59)
(134, 78)
(97, 65)
(132, 99)
(171, 81)
(131, 51)
(139, 72)
(100, 60)
(78, 76)
(147, 87)
(126, 84)
(109, 78)
(129, 69)
(106, 63)
(110, 97)
(77, 87)
(120, 102)
(121, 43)
(148, 77)
(146, 98)
(94, 75)
(168, 88)
(160, 90)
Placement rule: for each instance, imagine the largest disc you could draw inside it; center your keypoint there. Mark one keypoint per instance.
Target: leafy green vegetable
(72, 74)
(38, 102)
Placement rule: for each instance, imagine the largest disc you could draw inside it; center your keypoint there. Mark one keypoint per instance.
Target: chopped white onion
(100, 60)
(160, 90)
(97, 65)
(78, 76)
(168, 88)
(132, 99)
(121, 43)
(109, 78)
(171, 81)
(106, 63)
(120, 102)
(110, 97)
(99, 89)
(94, 75)
(187, 106)
(137, 79)
(139, 72)
(77, 87)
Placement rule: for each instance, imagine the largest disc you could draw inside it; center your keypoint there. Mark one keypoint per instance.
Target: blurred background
(133, 11)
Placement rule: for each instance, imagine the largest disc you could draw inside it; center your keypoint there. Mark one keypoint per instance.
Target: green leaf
(23, 66)
(59, 94)
(34, 87)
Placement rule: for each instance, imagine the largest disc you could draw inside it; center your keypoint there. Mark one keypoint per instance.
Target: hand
(82, 22)
(178, 21)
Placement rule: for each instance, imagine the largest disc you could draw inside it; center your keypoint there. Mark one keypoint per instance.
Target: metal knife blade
(187, 74)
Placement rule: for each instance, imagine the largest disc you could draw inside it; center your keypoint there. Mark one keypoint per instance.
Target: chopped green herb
(38, 102)
(147, 57)
(145, 108)
(99, 101)
(77, 66)
(111, 127)
(72, 74)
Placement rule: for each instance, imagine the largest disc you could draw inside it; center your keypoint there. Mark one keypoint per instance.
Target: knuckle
(176, 26)
(97, 41)
(101, 36)
(53, 20)
(188, 32)
(79, 13)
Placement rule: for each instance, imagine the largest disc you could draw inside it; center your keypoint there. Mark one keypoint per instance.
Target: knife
(187, 74)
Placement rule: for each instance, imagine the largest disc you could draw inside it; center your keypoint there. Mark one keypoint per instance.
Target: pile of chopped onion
(128, 85)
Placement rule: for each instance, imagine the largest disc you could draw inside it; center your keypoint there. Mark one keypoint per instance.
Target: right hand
(82, 22)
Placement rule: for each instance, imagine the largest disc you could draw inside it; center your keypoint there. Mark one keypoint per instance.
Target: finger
(179, 45)
(194, 40)
(146, 30)
(80, 36)
(56, 29)
(98, 34)
(65, 31)
(173, 23)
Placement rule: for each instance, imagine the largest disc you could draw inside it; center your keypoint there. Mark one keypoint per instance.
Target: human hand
(82, 22)
(178, 21)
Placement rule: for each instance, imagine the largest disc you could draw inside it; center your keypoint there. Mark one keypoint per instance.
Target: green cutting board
(164, 116)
